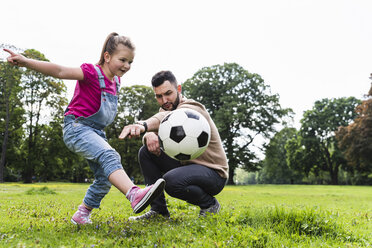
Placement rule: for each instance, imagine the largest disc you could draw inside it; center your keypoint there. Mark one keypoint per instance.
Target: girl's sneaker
(141, 198)
(82, 216)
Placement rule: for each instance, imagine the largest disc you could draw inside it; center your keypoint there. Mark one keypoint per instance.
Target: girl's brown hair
(370, 90)
(111, 43)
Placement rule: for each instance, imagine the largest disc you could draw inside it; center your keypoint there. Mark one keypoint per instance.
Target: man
(196, 181)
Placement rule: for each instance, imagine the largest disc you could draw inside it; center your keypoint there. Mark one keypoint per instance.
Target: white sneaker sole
(75, 223)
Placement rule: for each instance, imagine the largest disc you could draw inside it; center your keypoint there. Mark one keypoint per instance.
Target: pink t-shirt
(87, 96)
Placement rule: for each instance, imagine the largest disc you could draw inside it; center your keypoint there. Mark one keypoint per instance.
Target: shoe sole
(153, 193)
(219, 207)
(75, 223)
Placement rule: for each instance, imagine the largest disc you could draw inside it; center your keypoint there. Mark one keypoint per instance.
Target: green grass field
(38, 215)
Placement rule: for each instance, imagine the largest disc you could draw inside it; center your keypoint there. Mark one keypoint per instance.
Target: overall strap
(101, 78)
(117, 83)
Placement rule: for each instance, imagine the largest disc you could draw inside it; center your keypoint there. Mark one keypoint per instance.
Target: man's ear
(179, 88)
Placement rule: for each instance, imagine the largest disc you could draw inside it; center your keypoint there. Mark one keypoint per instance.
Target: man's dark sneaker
(214, 209)
(148, 215)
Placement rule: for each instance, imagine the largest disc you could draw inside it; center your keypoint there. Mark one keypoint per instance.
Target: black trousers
(194, 183)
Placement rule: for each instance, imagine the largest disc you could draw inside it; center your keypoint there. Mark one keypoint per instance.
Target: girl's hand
(44, 67)
(15, 58)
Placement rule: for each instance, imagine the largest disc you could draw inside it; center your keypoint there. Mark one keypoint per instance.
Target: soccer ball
(184, 134)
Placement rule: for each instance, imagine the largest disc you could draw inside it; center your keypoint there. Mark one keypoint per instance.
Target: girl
(93, 107)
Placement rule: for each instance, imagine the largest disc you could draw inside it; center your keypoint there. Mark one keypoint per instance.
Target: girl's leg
(121, 181)
(101, 185)
(92, 145)
(98, 189)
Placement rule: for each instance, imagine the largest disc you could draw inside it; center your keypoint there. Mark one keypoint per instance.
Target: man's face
(167, 96)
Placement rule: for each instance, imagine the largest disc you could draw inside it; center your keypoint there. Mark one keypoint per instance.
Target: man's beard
(174, 105)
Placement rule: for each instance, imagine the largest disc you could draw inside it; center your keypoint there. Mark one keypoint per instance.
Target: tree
(242, 107)
(10, 111)
(56, 161)
(315, 149)
(135, 103)
(40, 94)
(274, 167)
(355, 140)
(243, 177)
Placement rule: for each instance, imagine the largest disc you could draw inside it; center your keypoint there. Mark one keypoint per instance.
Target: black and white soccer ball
(184, 134)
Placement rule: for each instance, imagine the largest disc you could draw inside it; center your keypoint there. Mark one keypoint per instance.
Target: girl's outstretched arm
(44, 67)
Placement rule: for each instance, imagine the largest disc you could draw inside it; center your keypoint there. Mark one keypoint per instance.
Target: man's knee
(142, 153)
(173, 186)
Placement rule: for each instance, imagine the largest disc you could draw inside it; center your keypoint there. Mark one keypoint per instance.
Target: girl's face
(119, 62)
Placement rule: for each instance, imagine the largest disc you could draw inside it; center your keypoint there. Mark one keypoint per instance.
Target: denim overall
(85, 136)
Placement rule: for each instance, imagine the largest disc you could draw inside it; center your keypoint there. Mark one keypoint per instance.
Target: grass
(38, 215)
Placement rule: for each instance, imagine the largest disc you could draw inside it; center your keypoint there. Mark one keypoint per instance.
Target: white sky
(305, 50)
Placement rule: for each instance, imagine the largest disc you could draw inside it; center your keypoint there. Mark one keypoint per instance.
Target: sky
(305, 50)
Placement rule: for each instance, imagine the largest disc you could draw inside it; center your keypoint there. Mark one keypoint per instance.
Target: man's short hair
(161, 76)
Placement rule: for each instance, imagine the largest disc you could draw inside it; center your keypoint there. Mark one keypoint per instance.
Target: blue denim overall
(85, 136)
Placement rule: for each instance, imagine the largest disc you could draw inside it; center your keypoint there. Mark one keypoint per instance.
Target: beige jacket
(214, 156)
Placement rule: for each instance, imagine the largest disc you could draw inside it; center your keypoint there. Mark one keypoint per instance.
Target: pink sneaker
(141, 198)
(82, 216)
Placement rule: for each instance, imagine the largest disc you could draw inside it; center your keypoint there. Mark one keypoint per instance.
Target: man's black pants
(194, 183)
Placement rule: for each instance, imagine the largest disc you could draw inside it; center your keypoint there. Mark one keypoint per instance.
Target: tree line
(334, 138)
(332, 146)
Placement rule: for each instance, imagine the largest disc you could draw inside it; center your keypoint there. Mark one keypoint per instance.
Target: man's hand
(132, 131)
(152, 143)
